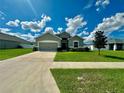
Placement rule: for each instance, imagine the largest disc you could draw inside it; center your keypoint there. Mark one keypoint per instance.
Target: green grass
(10, 53)
(89, 80)
(106, 56)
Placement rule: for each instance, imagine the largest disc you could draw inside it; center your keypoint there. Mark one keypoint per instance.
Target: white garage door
(48, 46)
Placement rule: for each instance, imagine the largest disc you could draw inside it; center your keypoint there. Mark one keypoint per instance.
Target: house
(112, 44)
(51, 42)
(115, 44)
(8, 42)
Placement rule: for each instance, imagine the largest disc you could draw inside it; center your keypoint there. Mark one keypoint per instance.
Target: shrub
(59, 49)
(19, 46)
(86, 49)
(35, 48)
(80, 49)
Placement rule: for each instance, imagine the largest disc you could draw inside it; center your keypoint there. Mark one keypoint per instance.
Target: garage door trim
(48, 42)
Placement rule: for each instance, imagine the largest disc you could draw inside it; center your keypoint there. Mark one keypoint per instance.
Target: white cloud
(13, 23)
(86, 28)
(89, 5)
(2, 15)
(49, 30)
(4, 30)
(60, 29)
(73, 24)
(83, 33)
(101, 4)
(106, 2)
(33, 26)
(98, 9)
(109, 25)
(36, 26)
(28, 37)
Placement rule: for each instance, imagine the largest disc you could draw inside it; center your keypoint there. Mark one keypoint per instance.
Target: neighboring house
(112, 44)
(64, 40)
(8, 41)
(115, 44)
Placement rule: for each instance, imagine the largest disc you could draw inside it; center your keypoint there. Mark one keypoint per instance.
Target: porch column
(115, 47)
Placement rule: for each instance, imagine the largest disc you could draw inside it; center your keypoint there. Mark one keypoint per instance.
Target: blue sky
(30, 18)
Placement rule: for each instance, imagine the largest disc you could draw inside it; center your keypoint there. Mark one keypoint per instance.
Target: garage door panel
(48, 46)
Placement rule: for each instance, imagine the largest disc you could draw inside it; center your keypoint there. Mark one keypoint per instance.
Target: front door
(119, 46)
(111, 46)
(64, 46)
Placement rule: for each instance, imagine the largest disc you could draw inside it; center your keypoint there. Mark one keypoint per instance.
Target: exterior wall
(48, 37)
(116, 46)
(107, 47)
(123, 46)
(93, 48)
(4, 44)
(71, 40)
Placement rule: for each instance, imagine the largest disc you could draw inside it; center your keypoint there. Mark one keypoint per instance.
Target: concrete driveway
(28, 74)
(31, 73)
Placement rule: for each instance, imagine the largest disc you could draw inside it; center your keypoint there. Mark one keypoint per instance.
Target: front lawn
(106, 56)
(9, 53)
(89, 80)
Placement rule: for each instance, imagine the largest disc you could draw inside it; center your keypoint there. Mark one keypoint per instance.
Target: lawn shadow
(114, 57)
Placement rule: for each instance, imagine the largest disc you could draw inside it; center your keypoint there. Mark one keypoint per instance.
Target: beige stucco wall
(71, 40)
(4, 44)
(48, 37)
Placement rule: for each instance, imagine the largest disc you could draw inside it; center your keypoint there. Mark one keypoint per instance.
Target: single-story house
(112, 44)
(63, 40)
(115, 44)
(9, 41)
(50, 42)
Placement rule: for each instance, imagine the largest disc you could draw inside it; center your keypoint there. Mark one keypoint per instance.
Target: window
(76, 44)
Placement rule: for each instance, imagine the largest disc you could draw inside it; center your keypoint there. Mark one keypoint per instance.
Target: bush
(86, 49)
(80, 49)
(59, 49)
(19, 46)
(35, 48)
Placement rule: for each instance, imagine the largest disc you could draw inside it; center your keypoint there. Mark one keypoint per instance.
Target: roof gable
(112, 40)
(12, 38)
(64, 35)
(76, 37)
(48, 35)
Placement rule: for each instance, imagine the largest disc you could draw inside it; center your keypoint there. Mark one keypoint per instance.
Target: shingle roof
(113, 40)
(12, 38)
(77, 37)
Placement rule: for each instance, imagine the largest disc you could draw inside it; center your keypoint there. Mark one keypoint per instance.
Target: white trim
(74, 42)
(48, 41)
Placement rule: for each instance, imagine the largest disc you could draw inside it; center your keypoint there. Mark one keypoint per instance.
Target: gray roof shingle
(12, 38)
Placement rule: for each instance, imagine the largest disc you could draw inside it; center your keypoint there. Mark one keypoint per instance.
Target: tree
(100, 40)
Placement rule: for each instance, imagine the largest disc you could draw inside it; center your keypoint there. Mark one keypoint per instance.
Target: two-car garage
(48, 42)
(48, 46)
